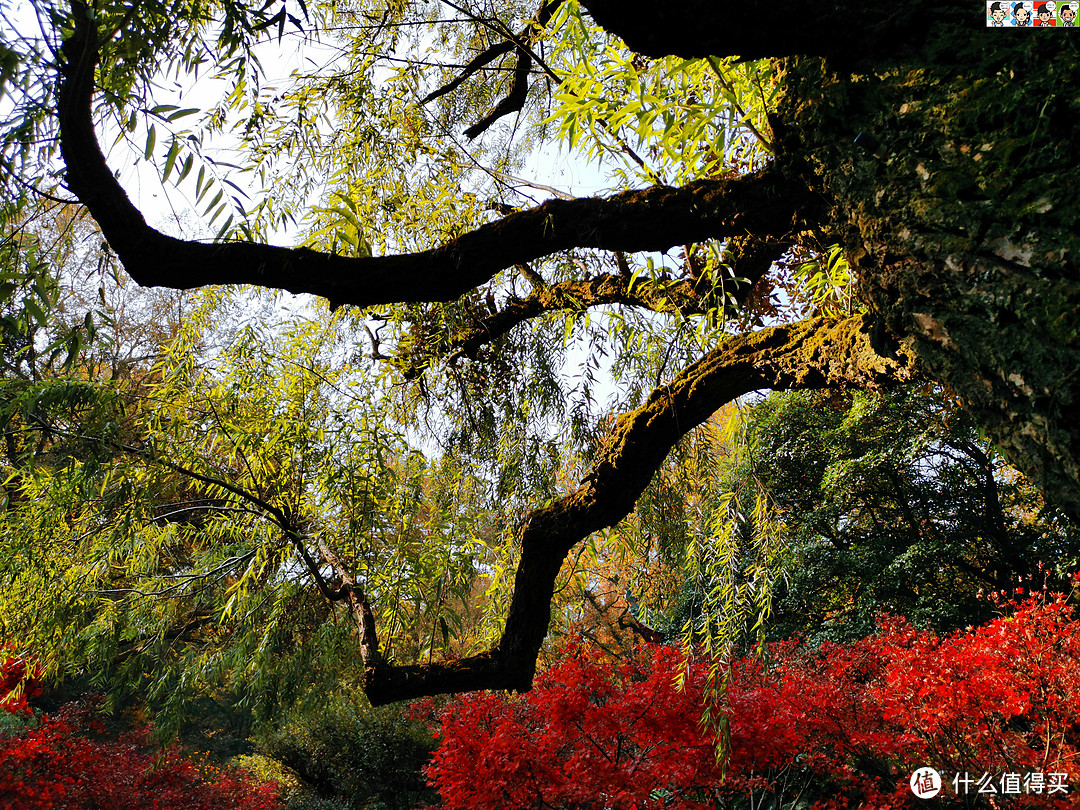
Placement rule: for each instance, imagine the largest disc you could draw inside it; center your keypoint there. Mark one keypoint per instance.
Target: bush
(841, 725)
(346, 750)
(590, 731)
(19, 684)
(67, 762)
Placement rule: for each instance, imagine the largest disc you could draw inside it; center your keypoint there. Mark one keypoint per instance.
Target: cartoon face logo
(1068, 14)
(997, 13)
(1044, 15)
(1021, 14)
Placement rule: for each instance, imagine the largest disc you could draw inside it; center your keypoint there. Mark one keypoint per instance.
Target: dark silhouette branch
(519, 87)
(650, 219)
(760, 28)
(811, 354)
(484, 58)
(512, 102)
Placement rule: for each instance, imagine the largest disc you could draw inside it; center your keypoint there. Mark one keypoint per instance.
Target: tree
(892, 502)
(908, 141)
(139, 537)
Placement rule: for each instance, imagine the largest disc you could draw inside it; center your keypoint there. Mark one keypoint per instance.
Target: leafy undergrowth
(841, 725)
(993, 708)
(66, 761)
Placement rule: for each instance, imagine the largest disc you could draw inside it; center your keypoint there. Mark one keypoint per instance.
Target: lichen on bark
(955, 181)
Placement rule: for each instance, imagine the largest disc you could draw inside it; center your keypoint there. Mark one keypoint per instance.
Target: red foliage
(845, 725)
(588, 732)
(18, 685)
(67, 762)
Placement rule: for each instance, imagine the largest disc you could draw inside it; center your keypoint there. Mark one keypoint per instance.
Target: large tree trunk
(948, 152)
(954, 178)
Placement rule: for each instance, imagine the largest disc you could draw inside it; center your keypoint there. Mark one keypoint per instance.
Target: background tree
(891, 503)
(166, 548)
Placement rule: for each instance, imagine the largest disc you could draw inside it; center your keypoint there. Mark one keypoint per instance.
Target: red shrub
(67, 762)
(18, 684)
(845, 724)
(587, 731)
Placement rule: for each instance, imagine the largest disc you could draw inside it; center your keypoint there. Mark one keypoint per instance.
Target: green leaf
(185, 169)
(151, 140)
(176, 116)
(35, 311)
(214, 202)
(170, 161)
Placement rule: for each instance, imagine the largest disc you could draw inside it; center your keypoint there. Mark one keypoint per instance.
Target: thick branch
(811, 354)
(651, 219)
(573, 296)
(658, 296)
(751, 257)
(759, 28)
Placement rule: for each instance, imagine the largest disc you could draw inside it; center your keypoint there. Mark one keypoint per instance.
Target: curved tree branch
(650, 219)
(574, 296)
(811, 354)
(757, 28)
(750, 256)
(358, 603)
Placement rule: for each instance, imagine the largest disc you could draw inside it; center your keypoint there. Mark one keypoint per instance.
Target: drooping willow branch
(650, 219)
(291, 532)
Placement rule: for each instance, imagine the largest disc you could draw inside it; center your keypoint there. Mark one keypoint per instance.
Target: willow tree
(936, 154)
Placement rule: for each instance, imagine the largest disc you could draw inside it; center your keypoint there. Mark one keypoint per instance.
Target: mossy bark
(955, 180)
(814, 353)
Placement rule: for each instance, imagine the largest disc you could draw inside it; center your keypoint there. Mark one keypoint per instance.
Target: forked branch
(519, 87)
(722, 292)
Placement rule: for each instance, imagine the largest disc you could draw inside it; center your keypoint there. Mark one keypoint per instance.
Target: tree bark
(763, 28)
